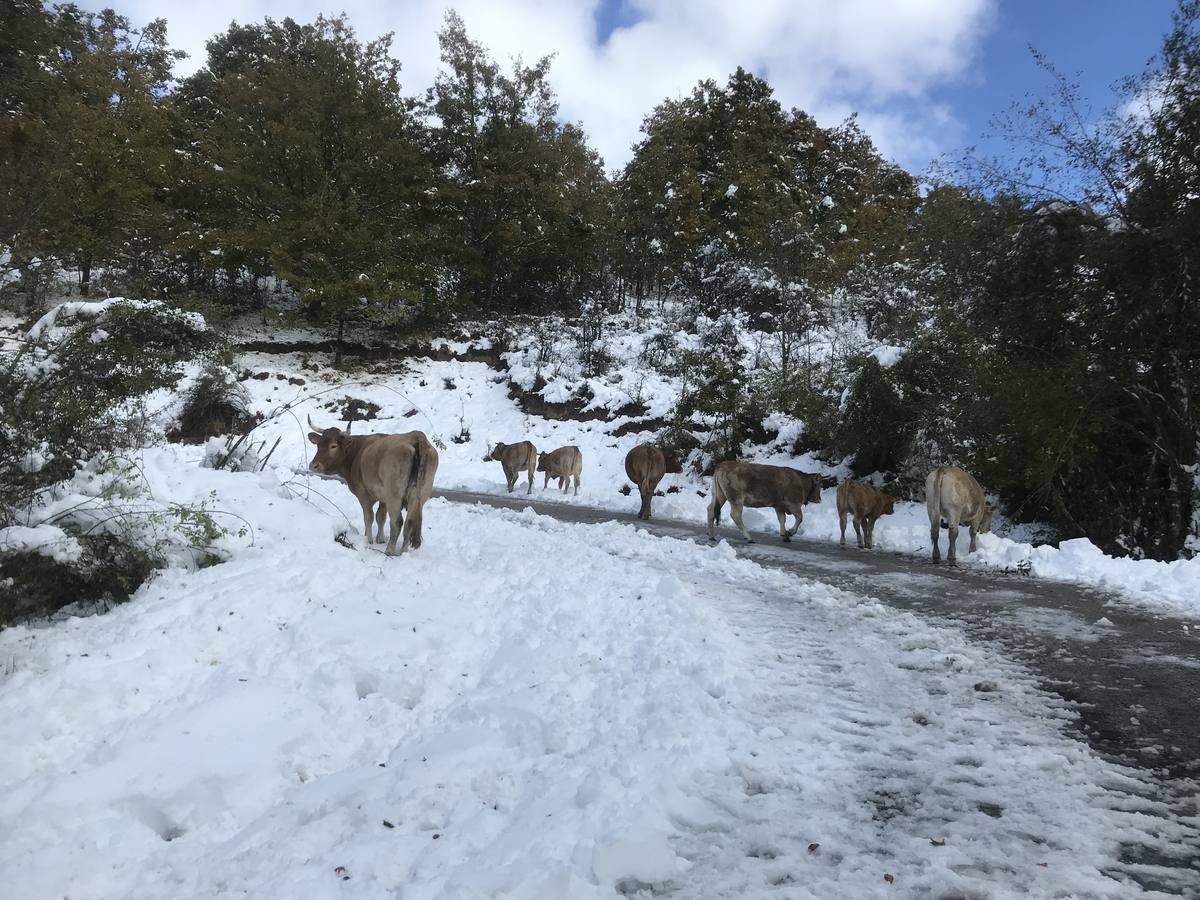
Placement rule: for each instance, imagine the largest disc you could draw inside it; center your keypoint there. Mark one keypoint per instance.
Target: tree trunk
(85, 277)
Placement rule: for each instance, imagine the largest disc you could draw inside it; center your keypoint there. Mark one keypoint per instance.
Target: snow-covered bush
(215, 404)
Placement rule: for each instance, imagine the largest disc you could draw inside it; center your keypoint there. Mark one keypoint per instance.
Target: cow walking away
(394, 470)
(514, 459)
(645, 465)
(752, 484)
(866, 504)
(563, 464)
(953, 495)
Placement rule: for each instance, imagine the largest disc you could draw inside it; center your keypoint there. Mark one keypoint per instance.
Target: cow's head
(984, 524)
(671, 462)
(331, 447)
(494, 452)
(888, 504)
(814, 490)
(541, 462)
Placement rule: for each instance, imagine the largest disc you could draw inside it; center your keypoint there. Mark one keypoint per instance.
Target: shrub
(215, 404)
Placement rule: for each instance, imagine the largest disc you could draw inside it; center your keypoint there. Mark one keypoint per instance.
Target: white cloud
(880, 58)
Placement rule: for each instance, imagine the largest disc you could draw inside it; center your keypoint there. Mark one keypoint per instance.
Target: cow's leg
(781, 514)
(576, 484)
(395, 516)
(935, 535)
(531, 468)
(565, 483)
(798, 515)
(950, 554)
(546, 483)
(510, 475)
(368, 511)
(412, 522)
(971, 549)
(735, 513)
(869, 531)
(380, 518)
(714, 514)
(842, 525)
(858, 532)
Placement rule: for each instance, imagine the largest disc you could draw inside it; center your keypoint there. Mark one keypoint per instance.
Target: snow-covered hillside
(526, 708)
(467, 406)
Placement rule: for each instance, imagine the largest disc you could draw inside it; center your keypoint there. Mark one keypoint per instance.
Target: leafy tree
(520, 199)
(308, 156)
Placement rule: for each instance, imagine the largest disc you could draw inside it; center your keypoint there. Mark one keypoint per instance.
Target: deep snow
(528, 708)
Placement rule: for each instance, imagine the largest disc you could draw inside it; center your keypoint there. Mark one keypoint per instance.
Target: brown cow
(751, 484)
(645, 465)
(952, 494)
(866, 503)
(563, 464)
(394, 470)
(515, 458)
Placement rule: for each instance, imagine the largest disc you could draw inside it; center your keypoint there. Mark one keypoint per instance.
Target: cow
(394, 470)
(514, 458)
(751, 484)
(645, 465)
(952, 494)
(866, 503)
(564, 464)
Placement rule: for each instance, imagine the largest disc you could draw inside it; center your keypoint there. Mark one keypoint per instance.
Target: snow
(46, 540)
(481, 404)
(95, 309)
(531, 709)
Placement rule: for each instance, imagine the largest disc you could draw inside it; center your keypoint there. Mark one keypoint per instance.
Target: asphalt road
(1134, 678)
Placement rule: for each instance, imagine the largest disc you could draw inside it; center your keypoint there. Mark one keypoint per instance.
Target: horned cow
(394, 470)
(563, 464)
(866, 504)
(752, 484)
(514, 458)
(954, 495)
(645, 465)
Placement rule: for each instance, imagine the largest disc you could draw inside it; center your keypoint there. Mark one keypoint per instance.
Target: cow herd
(396, 472)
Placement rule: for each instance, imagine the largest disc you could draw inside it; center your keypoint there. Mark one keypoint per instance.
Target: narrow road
(1132, 674)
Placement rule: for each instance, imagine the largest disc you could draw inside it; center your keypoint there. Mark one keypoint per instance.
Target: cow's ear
(314, 437)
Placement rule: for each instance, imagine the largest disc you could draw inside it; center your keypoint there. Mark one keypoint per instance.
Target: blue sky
(925, 76)
(1097, 42)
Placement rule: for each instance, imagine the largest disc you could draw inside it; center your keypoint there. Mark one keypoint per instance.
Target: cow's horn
(349, 425)
(314, 427)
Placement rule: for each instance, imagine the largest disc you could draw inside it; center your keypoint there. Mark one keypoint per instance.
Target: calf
(515, 458)
(750, 484)
(866, 504)
(952, 494)
(394, 470)
(564, 464)
(645, 465)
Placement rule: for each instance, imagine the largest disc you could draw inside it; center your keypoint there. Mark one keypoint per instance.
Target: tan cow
(515, 458)
(394, 470)
(751, 484)
(952, 494)
(645, 465)
(866, 503)
(564, 464)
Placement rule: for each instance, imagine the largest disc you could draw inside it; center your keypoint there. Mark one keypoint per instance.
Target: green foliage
(109, 570)
(72, 392)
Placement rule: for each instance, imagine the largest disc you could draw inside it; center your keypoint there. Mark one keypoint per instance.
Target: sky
(924, 76)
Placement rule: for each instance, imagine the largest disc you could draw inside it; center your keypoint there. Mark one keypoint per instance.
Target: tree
(308, 157)
(521, 200)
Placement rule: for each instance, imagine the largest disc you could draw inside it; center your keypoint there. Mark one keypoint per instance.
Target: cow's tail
(933, 498)
(843, 499)
(418, 475)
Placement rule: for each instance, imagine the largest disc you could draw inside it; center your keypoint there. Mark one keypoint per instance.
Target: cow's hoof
(787, 538)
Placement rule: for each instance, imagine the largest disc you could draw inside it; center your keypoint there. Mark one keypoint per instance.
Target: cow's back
(757, 484)
(642, 461)
(950, 490)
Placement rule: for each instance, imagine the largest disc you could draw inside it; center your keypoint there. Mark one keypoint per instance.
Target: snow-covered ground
(469, 401)
(530, 709)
